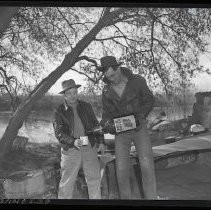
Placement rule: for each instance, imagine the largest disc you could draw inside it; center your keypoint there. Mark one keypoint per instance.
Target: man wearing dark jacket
(127, 95)
(72, 122)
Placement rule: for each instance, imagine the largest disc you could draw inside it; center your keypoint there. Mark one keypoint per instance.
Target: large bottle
(118, 125)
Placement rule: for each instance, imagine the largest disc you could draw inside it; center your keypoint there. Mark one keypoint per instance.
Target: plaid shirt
(64, 121)
(136, 99)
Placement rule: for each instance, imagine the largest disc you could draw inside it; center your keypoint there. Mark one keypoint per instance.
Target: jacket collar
(125, 71)
(66, 106)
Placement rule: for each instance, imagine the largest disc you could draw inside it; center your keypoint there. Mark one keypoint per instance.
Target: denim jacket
(136, 99)
(64, 121)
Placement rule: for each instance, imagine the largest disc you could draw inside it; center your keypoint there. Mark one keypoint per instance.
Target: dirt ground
(191, 181)
(187, 182)
(36, 157)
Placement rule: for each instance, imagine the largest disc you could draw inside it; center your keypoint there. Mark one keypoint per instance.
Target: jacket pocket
(64, 147)
(68, 151)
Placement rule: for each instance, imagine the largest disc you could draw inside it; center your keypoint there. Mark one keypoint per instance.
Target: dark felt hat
(68, 84)
(106, 62)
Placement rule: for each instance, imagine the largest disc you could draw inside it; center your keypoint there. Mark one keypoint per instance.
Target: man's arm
(93, 116)
(99, 137)
(108, 109)
(59, 126)
(108, 114)
(147, 98)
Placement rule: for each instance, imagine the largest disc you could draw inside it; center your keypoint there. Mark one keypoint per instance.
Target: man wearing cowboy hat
(72, 120)
(127, 94)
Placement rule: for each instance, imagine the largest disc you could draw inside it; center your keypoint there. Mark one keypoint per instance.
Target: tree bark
(23, 111)
(6, 14)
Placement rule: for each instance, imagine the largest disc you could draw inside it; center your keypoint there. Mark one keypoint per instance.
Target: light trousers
(71, 161)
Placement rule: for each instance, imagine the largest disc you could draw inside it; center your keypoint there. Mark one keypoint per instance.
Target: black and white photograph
(105, 103)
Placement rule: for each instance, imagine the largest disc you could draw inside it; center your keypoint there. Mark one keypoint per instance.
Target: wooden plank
(189, 144)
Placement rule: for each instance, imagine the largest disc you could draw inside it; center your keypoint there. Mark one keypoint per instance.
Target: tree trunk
(6, 14)
(23, 111)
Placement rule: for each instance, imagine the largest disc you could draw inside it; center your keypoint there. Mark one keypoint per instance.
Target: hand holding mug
(78, 143)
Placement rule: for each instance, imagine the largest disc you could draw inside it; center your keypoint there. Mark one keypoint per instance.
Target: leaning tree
(162, 44)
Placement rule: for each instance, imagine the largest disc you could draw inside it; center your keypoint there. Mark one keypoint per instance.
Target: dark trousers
(143, 147)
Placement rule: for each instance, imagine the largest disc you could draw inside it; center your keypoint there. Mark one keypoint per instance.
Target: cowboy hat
(68, 84)
(106, 62)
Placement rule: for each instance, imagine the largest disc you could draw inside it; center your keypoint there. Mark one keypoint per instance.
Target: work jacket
(64, 124)
(136, 99)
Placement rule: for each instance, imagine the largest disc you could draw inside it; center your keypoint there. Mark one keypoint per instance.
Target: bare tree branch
(84, 57)
(109, 38)
(163, 24)
(167, 52)
(113, 17)
(122, 34)
(152, 28)
(158, 73)
(118, 15)
(12, 91)
(4, 55)
(61, 13)
(62, 33)
(120, 44)
(82, 73)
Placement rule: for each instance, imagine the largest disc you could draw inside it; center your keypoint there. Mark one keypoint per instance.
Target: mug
(84, 140)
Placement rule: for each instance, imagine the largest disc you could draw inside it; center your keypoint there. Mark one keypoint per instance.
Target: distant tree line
(49, 102)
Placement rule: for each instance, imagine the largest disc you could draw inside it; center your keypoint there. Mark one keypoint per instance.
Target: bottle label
(125, 123)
